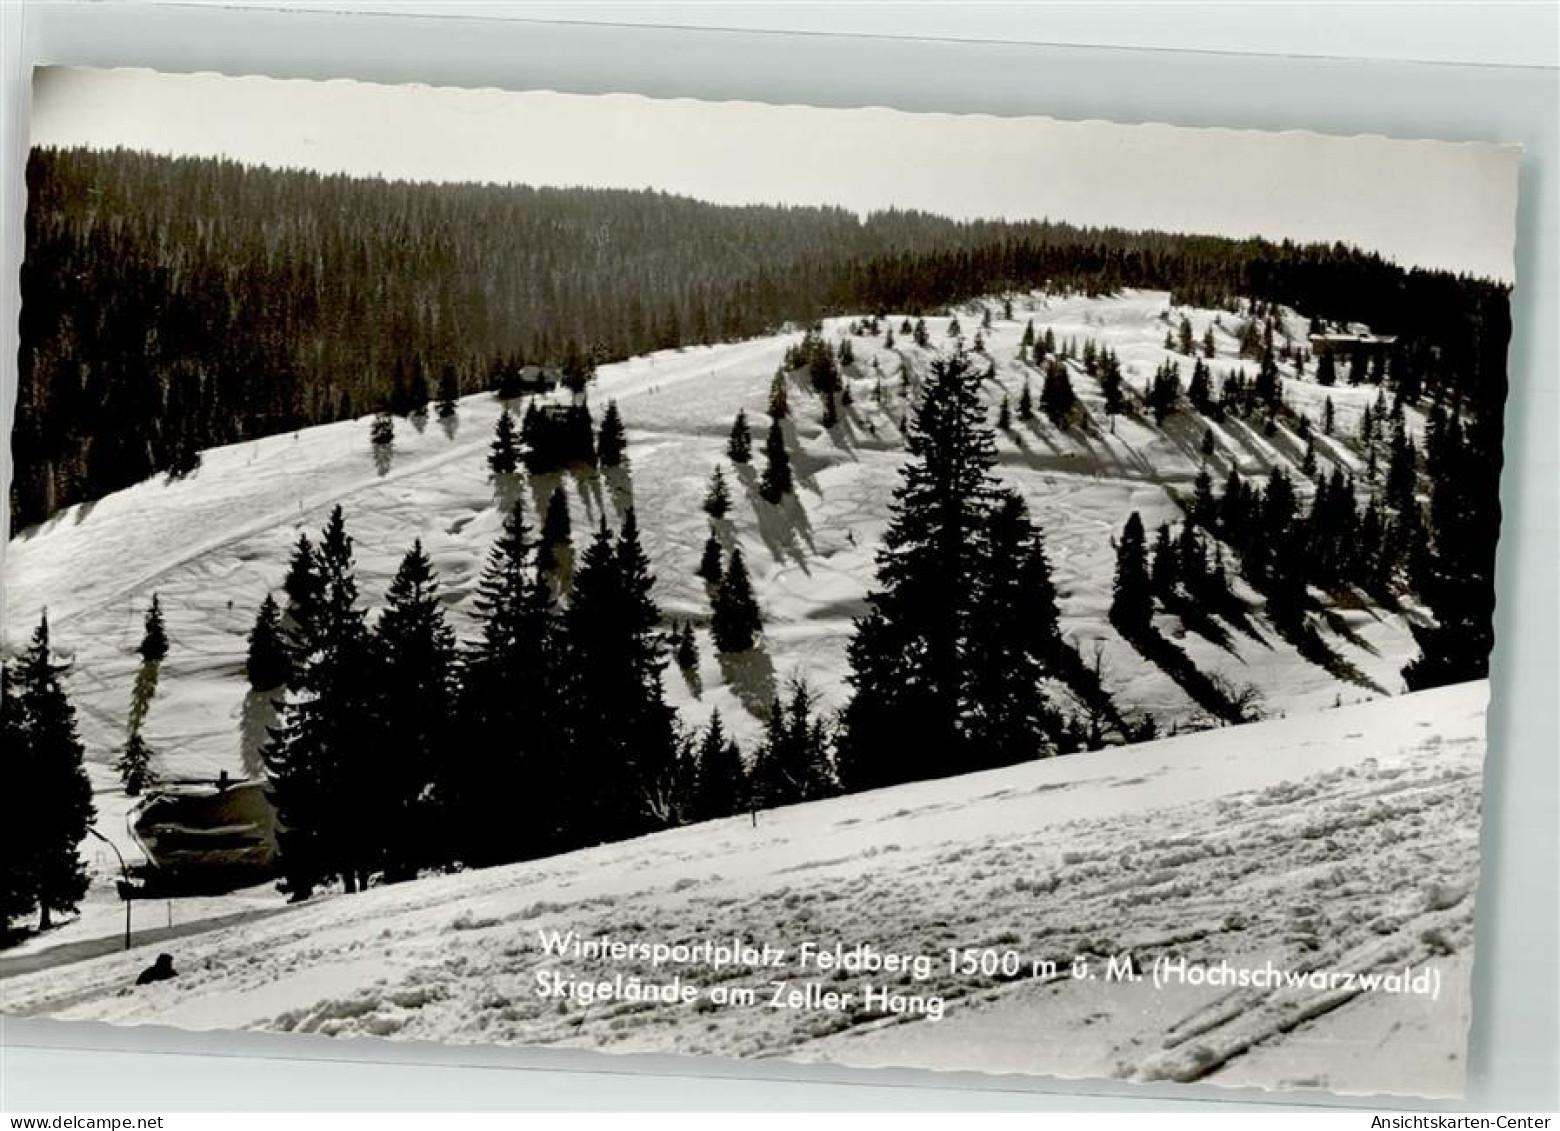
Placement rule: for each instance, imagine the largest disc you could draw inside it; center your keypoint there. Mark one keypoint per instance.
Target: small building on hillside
(538, 378)
(1344, 344)
(205, 836)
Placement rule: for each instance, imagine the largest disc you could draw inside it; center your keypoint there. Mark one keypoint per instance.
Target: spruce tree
(1165, 391)
(1200, 391)
(776, 481)
(710, 562)
(154, 637)
(792, 763)
(717, 498)
(1204, 508)
(1057, 399)
(415, 678)
(1026, 403)
(1014, 642)
(919, 709)
(135, 765)
(736, 623)
(686, 651)
(268, 663)
(504, 452)
(779, 399)
(621, 745)
(720, 784)
(502, 785)
(55, 795)
(18, 887)
(305, 590)
(612, 442)
(318, 761)
(1132, 601)
(739, 447)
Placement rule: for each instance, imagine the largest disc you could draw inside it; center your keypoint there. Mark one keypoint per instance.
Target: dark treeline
(170, 304)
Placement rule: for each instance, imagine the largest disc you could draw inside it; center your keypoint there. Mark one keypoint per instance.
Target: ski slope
(1344, 839)
(214, 544)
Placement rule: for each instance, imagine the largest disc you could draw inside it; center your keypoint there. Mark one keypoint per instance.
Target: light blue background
(1002, 66)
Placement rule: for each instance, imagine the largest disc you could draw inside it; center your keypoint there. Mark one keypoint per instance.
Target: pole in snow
(124, 883)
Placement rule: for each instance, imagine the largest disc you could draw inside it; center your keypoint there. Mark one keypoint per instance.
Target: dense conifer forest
(172, 304)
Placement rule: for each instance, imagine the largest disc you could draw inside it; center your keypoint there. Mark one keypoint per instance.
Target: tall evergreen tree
(737, 622)
(1057, 399)
(56, 809)
(721, 785)
(710, 562)
(919, 708)
(621, 745)
(1014, 643)
(686, 649)
(792, 763)
(503, 784)
(779, 399)
(18, 887)
(318, 762)
(739, 447)
(135, 765)
(305, 590)
(504, 452)
(154, 636)
(612, 443)
(268, 663)
(776, 482)
(416, 684)
(1132, 601)
(717, 498)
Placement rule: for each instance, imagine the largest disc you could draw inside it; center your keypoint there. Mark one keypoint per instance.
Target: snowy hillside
(1344, 840)
(213, 545)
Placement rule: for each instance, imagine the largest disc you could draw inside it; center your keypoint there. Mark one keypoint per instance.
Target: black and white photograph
(738, 580)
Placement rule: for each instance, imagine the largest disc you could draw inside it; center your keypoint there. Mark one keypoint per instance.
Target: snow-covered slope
(1341, 840)
(213, 545)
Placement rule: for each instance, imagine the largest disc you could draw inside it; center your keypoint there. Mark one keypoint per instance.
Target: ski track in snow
(1346, 840)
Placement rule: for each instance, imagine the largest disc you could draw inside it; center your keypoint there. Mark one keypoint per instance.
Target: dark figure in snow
(159, 971)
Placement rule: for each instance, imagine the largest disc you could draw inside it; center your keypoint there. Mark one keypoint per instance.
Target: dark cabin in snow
(538, 378)
(1348, 345)
(206, 836)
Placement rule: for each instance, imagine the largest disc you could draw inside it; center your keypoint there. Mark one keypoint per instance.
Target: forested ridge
(172, 304)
